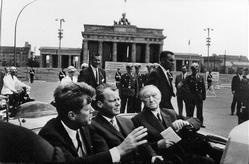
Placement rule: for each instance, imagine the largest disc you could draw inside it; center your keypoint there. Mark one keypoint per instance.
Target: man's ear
(71, 115)
(99, 104)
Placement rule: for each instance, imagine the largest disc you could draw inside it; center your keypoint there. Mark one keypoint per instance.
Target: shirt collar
(70, 132)
(93, 68)
(109, 119)
(155, 112)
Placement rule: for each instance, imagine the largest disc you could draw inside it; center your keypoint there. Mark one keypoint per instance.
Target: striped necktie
(114, 124)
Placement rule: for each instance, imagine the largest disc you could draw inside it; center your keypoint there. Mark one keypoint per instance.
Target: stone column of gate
(41, 60)
(133, 52)
(114, 51)
(161, 48)
(69, 60)
(100, 48)
(85, 52)
(147, 53)
(50, 61)
(100, 51)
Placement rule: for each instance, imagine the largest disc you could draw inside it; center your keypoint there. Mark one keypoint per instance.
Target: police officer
(194, 93)
(140, 80)
(128, 84)
(118, 78)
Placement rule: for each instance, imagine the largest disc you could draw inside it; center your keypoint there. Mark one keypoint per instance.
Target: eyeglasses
(147, 97)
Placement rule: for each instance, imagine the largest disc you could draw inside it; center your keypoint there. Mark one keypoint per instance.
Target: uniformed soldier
(128, 84)
(118, 78)
(140, 79)
(194, 92)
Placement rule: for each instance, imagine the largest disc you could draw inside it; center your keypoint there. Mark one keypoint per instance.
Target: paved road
(216, 109)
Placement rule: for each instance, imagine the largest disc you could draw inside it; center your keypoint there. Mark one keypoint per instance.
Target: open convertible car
(33, 115)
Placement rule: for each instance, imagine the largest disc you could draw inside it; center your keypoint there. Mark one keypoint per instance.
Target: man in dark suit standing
(162, 78)
(128, 85)
(194, 92)
(157, 119)
(93, 75)
(236, 82)
(178, 84)
(71, 132)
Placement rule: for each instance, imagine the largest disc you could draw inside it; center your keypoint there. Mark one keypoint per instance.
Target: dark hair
(96, 54)
(100, 90)
(68, 97)
(164, 54)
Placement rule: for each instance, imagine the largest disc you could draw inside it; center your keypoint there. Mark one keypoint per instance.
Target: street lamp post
(208, 43)
(60, 37)
(16, 28)
(1, 10)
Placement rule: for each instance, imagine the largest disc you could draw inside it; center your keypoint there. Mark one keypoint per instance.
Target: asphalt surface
(217, 118)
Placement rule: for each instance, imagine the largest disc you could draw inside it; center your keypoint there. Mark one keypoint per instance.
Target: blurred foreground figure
(18, 144)
(72, 132)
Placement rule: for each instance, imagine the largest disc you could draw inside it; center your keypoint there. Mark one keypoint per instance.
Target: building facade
(122, 42)
(226, 63)
(22, 55)
(187, 59)
(69, 56)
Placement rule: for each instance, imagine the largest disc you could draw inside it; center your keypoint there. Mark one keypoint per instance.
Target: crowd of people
(89, 127)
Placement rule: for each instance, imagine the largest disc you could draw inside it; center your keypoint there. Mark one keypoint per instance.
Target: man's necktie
(114, 124)
(79, 149)
(158, 117)
(97, 76)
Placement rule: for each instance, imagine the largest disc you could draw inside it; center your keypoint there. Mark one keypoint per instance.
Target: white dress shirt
(157, 111)
(11, 85)
(115, 154)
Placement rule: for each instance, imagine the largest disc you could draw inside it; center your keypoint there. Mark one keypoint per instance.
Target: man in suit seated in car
(71, 130)
(157, 119)
(113, 128)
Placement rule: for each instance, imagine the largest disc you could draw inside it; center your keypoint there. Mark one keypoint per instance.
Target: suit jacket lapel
(107, 125)
(86, 139)
(122, 126)
(65, 138)
(165, 79)
(153, 120)
(166, 119)
(92, 77)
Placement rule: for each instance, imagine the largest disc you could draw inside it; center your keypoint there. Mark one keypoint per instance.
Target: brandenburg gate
(122, 42)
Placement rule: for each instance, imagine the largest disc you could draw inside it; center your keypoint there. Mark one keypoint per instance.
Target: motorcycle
(9, 104)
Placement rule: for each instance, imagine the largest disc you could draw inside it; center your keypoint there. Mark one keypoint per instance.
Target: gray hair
(148, 87)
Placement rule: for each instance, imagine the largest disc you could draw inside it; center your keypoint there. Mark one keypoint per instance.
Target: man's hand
(164, 143)
(133, 140)
(179, 124)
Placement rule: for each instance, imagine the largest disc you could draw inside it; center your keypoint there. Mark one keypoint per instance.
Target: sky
(181, 20)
